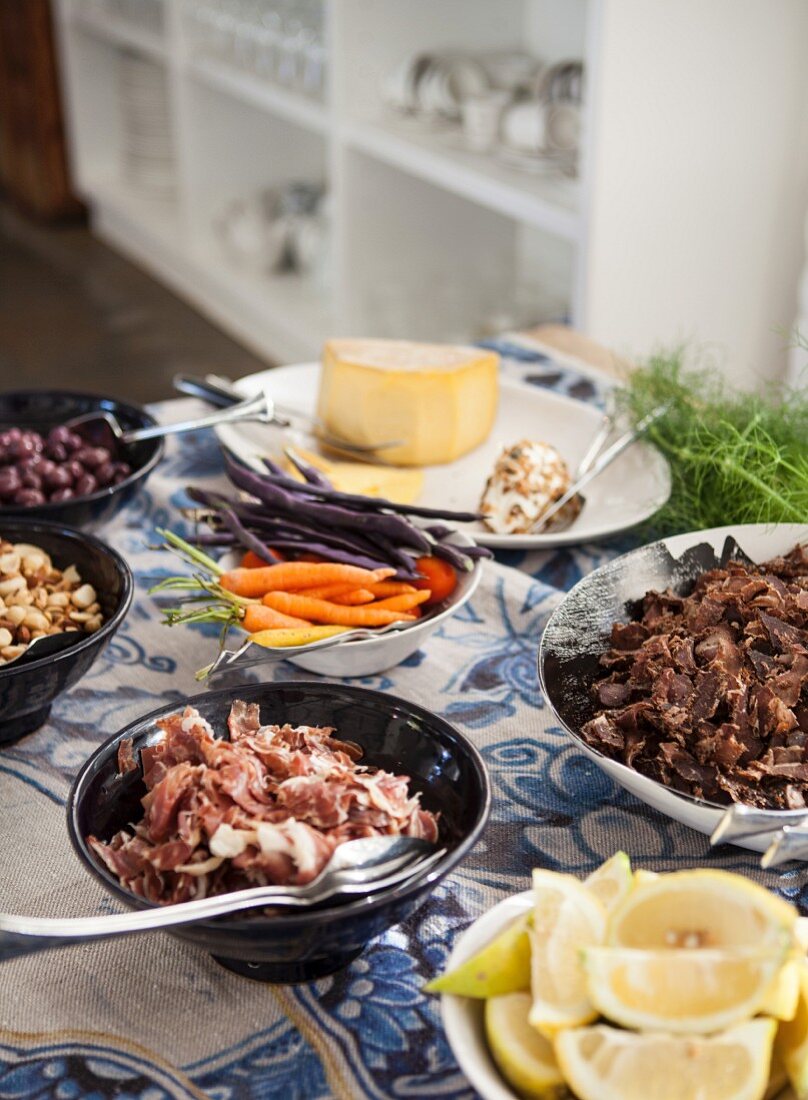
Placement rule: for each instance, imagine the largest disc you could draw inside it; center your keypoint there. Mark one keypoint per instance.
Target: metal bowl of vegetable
(342, 585)
(366, 652)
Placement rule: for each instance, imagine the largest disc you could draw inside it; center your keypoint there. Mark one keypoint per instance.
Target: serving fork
(356, 868)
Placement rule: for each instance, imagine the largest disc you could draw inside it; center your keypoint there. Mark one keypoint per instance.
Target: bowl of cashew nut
(63, 595)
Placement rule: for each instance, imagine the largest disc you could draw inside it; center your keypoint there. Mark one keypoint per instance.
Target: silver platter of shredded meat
(705, 688)
(267, 807)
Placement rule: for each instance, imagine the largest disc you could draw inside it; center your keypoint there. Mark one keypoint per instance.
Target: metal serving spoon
(357, 867)
(46, 645)
(102, 429)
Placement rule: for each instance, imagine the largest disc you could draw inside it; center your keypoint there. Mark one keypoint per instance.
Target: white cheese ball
(528, 477)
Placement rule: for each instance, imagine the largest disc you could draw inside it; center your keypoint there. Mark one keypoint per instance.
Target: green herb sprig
(735, 457)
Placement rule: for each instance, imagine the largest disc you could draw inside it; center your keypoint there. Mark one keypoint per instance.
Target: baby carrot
(389, 588)
(329, 591)
(252, 561)
(257, 617)
(343, 594)
(290, 575)
(355, 598)
(297, 636)
(405, 602)
(321, 611)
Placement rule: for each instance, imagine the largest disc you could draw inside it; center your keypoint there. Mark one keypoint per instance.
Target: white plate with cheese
(625, 494)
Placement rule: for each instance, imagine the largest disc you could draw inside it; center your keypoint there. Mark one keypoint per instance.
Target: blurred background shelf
(546, 201)
(281, 110)
(278, 101)
(105, 23)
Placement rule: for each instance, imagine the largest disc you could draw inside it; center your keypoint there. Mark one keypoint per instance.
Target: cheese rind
(439, 400)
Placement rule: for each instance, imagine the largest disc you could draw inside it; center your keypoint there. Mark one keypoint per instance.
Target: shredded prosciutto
(438, 576)
(269, 804)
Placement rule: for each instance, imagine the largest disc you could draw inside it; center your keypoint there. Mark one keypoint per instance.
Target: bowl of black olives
(49, 469)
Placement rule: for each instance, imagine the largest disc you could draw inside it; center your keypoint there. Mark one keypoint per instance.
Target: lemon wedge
(783, 997)
(566, 918)
(502, 966)
(604, 1063)
(792, 1038)
(611, 881)
(525, 1059)
(688, 991)
(643, 877)
(701, 909)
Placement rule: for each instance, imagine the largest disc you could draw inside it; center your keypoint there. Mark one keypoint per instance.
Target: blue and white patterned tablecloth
(151, 1017)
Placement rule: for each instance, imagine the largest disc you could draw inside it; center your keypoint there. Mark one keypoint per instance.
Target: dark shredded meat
(267, 807)
(708, 693)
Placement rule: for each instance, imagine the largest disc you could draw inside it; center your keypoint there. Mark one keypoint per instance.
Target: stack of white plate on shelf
(147, 144)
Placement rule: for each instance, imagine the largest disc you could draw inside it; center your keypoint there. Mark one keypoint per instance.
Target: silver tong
(788, 830)
(597, 459)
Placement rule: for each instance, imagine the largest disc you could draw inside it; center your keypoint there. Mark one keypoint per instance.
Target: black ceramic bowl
(42, 410)
(28, 689)
(396, 735)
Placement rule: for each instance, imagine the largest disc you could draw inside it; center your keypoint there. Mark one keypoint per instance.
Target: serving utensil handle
(260, 408)
(25, 935)
(206, 389)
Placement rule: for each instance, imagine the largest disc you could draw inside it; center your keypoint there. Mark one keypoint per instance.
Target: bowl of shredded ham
(258, 786)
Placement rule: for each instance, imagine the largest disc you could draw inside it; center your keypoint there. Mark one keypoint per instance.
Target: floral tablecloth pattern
(152, 1018)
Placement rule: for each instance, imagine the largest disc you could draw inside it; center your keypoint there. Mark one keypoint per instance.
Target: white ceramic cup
(524, 126)
(562, 127)
(481, 116)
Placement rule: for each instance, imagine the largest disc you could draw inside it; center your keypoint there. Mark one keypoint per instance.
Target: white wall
(707, 248)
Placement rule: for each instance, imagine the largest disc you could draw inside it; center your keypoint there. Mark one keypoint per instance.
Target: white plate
(625, 494)
(463, 1016)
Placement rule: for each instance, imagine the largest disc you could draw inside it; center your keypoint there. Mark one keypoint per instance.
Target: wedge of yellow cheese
(439, 400)
(390, 482)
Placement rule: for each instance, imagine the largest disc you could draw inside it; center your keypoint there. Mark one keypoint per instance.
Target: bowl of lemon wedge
(630, 985)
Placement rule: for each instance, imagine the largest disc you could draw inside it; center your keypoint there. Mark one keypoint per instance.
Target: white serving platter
(625, 494)
(606, 591)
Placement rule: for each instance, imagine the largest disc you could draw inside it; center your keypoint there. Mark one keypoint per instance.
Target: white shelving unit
(689, 179)
(433, 207)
